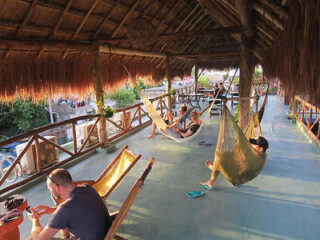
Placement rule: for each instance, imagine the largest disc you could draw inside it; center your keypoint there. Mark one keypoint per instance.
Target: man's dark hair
(184, 108)
(61, 177)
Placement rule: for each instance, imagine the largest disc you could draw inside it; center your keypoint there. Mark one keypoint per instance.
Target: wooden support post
(246, 61)
(310, 118)
(97, 83)
(168, 76)
(74, 138)
(196, 77)
(38, 159)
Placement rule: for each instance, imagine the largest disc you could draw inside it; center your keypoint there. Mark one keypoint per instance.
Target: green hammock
(234, 156)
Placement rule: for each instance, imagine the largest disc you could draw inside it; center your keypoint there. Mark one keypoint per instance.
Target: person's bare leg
(153, 131)
(209, 164)
(214, 175)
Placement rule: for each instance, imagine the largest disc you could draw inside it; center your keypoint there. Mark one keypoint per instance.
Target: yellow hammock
(234, 156)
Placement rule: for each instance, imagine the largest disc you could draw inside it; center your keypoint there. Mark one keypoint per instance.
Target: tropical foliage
(21, 116)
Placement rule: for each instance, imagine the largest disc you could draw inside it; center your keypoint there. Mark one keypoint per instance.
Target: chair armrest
(113, 215)
(90, 182)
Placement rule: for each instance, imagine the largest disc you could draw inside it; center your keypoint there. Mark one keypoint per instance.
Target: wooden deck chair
(127, 204)
(115, 172)
(112, 176)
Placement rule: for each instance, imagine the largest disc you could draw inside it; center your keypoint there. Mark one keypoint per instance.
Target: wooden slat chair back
(116, 171)
(112, 176)
(127, 204)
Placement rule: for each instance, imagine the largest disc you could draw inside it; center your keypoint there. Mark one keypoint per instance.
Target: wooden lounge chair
(112, 176)
(115, 172)
(127, 204)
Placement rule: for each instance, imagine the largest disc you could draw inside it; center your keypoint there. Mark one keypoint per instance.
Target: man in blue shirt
(83, 214)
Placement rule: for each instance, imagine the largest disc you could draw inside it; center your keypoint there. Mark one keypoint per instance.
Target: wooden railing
(140, 117)
(304, 113)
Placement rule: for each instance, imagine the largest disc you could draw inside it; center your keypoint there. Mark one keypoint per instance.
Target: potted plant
(108, 112)
(291, 116)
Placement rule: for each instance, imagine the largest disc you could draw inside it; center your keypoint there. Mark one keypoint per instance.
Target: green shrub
(123, 97)
(204, 81)
(21, 116)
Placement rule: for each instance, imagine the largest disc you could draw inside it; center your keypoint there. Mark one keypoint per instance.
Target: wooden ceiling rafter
(229, 7)
(188, 42)
(181, 13)
(211, 8)
(170, 10)
(93, 5)
(186, 27)
(76, 13)
(127, 15)
(280, 10)
(204, 25)
(168, 28)
(105, 19)
(27, 17)
(267, 15)
(52, 35)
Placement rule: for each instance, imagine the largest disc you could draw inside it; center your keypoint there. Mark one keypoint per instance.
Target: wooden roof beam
(125, 18)
(216, 32)
(211, 9)
(27, 17)
(56, 7)
(60, 20)
(275, 7)
(123, 51)
(220, 54)
(106, 18)
(94, 4)
(266, 14)
(47, 44)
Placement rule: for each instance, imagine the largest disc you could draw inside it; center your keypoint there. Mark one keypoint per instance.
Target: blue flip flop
(204, 185)
(194, 194)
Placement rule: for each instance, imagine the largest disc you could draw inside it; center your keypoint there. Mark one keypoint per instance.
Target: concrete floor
(283, 202)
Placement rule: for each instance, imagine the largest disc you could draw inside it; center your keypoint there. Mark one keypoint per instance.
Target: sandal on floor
(194, 194)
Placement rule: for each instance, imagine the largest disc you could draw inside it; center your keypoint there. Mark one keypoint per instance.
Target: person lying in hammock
(260, 145)
(196, 122)
(169, 120)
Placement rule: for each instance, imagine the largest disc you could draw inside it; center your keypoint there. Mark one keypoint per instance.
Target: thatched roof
(50, 45)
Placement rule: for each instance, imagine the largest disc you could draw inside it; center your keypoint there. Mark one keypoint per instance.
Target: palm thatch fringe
(25, 75)
(294, 57)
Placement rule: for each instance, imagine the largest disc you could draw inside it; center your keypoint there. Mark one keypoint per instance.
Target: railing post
(139, 114)
(310, 118)
(161, 108)
(124, 120)
(74, 138)
(38, 159)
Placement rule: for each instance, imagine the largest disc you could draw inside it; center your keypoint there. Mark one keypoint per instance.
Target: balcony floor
(283, 202)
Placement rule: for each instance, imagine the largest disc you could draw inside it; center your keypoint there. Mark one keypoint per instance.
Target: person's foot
(208, 185)
(208, 164)
(151, 136)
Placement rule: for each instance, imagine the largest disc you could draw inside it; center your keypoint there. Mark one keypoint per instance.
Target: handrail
(306, 122)
(34, 136)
